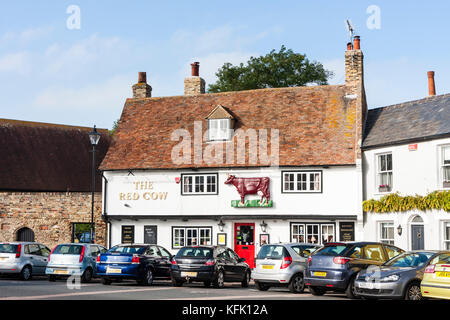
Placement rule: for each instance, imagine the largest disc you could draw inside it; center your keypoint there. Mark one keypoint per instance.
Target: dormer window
(220, 124)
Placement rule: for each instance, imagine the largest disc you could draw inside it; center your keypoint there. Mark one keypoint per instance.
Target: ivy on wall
(395, 203)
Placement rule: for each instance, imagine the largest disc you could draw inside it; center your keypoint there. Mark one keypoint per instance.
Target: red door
(244, 242)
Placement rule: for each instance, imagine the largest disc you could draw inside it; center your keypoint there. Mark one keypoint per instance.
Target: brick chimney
(142, 89)
(431, 85)
(194, 85)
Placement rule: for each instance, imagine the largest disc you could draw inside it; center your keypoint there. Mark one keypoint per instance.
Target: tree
(274, 70)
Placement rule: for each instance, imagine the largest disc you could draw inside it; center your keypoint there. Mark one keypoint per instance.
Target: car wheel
(106, 281)
(219, 281)
(87, 276)
(317, 291)
(350, 292)
(148, 278)
(25, 274)
(177, 283)
(413, 292)
(246, 280)
(207, 284)
(297, 284)
(52, 278)
(261, 287)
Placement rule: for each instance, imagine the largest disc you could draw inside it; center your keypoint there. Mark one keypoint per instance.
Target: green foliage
(114, 128)
(274, 70)
(395, 203)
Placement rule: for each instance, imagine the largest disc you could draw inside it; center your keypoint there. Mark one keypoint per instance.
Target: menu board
(150, 234)
(346, 231)
(127, 234)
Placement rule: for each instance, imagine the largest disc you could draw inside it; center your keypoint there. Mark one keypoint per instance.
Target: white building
(164, 174)
(407, 150)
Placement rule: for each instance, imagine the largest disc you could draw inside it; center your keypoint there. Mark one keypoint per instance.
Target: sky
(74, 62)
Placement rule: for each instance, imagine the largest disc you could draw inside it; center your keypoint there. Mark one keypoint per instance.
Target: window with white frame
(387, 232)
(327, 233)
(191, 236)
(447, 235)
(298, 232)
(199, 184)
(302, 181)
(445, 166)
(312, 233)
(384, 172)
(219, 129)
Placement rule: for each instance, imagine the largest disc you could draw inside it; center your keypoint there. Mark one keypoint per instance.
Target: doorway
(417, 234)
(244, 242)
(25, 234)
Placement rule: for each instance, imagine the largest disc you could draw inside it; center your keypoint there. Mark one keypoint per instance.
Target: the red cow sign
(251, 186)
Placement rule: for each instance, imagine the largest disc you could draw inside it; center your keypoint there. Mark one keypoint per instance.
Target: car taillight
(341, 260)
(135, 260)
(430, 268)
(286, 262)
(19, 249)
(210, 262)
(174, 262)
(51, 254)
(82, 255)
(309, 260)
(98, 259)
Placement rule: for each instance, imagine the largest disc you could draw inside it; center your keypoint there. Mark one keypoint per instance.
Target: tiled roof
(409, 121)
(47, 157)
(316, 126)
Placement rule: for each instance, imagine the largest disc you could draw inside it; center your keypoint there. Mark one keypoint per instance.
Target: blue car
(140, 262)
(335, 266)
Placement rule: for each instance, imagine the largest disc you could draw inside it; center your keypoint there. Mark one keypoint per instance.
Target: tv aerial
(350, 29)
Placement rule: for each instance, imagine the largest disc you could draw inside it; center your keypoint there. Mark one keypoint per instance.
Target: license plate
(188, 274)
(3, 258)
(61, 272)
(442, 274)
(267, 267)
(319, 274)
(112, 270)
(368, 285)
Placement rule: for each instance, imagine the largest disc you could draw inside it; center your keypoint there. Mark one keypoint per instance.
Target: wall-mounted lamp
(221, 225)
(399, 230)
(263, 226)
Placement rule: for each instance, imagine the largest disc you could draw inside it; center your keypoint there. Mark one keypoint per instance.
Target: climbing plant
(394, 202)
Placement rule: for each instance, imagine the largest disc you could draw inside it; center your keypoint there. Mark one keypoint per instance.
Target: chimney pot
(142, 77)
(357, 43)
(349, 46)
(431, 85)
(195, 69)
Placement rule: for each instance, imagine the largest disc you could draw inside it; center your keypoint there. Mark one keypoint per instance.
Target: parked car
(74, 259)
(140, 262)
(398, 278)
(210, 265)
(335, 266)
(436, 279)
(282, 265)
(23, 258)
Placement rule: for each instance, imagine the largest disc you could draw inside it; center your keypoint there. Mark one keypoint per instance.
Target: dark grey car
(398, 278)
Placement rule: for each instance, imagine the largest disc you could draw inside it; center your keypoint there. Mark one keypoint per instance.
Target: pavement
(42, 289)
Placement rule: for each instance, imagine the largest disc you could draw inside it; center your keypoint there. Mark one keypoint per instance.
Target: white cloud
(26, 35)
(337, 66)
(19, 62)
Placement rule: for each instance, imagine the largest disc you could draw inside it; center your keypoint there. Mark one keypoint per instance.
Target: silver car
(74, 259)
(398, 278)
(282, 265)
(23, 258)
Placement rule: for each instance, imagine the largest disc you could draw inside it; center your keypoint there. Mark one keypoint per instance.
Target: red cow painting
(246, 186)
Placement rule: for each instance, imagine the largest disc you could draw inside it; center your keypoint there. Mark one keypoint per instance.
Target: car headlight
(391, 278)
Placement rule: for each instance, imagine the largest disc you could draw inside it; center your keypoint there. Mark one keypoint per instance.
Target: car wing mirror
(241, 260)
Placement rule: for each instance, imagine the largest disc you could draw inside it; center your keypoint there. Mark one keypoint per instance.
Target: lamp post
(94, 137)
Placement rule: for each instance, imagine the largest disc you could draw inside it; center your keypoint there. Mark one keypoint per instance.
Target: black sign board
(150, 234)
(346, 231)
(127, 234)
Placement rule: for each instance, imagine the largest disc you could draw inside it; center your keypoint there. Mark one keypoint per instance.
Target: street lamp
(399, 230)
(263, 226)
(94, 137)
(221, 225)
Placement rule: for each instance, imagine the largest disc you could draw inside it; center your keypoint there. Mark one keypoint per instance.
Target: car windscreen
(195, 252)
(68, 249)
(273, 252)
(127, 249)
(410, 260)
(331, 250)
(8, 248)
(304, 250)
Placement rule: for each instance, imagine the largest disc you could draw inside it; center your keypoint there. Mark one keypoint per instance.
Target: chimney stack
(142, 89)
(194, 85)
(431, 85)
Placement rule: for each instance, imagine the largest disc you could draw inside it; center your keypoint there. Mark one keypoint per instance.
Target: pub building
(238, 168)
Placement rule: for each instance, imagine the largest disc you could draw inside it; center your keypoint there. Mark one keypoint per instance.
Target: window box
(446, 184)
(384, 188)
